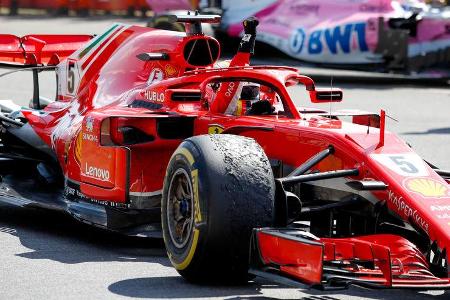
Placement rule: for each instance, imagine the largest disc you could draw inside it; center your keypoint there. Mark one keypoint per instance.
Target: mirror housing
(326, 95)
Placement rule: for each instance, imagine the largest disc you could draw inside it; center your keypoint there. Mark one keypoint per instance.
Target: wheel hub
(180, 217)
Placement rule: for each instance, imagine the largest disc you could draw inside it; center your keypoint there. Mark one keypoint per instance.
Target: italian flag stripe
(96, 41)
(94, 53)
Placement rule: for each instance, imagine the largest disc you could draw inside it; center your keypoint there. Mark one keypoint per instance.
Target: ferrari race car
(386, 35)
(148, 136)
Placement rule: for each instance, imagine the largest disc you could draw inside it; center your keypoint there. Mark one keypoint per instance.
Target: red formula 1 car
(150, 136)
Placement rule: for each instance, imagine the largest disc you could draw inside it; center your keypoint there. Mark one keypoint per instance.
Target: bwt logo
(330, 38)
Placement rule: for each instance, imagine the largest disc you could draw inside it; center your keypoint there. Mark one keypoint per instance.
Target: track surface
(46, 255)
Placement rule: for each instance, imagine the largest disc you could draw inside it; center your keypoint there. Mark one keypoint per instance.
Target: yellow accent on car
(197, 212)
(185, 263)
(239, 108)
(185, 152)
(170, 70)
(215, 129)
(427, 187)
(78, 145)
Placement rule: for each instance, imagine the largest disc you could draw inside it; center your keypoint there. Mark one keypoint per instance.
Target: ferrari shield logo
(215, 129)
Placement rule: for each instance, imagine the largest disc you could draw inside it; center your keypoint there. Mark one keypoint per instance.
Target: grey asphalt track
(47, 255)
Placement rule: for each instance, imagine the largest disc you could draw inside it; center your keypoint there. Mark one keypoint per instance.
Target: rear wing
(38, 49)
(36, 53)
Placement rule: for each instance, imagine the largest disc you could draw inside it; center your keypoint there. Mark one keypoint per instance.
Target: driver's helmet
(250, 93)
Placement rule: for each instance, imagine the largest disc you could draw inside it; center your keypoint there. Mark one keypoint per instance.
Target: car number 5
(72, 77)
(404, 165)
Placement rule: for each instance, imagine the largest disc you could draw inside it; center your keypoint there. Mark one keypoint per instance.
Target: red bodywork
(380, 260)
(103, 88)
(39, 48)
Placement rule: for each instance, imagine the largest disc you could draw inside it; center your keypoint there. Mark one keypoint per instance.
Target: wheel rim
(180, 215)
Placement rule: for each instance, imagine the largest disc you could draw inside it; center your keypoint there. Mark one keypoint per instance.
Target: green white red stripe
(96, 41)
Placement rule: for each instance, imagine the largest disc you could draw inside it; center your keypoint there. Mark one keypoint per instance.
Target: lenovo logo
(97, 173)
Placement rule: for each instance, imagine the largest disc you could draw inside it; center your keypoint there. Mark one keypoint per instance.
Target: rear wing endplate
(35, 50)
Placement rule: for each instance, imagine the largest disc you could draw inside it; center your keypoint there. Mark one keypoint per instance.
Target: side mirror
(326, 95)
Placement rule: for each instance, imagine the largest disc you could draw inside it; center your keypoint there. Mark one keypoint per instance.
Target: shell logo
(171, 70)
(78, 147)
(427, 187)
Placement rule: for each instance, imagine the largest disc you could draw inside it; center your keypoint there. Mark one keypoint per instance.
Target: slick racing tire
(163, 22)
(217, 188)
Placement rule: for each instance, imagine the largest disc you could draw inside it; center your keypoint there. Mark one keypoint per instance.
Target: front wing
(294, 257)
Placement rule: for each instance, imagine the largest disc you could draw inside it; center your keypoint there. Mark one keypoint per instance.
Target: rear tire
(162, 22)
(224, 183)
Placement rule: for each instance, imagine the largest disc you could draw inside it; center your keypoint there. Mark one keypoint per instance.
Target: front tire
(216, 190)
